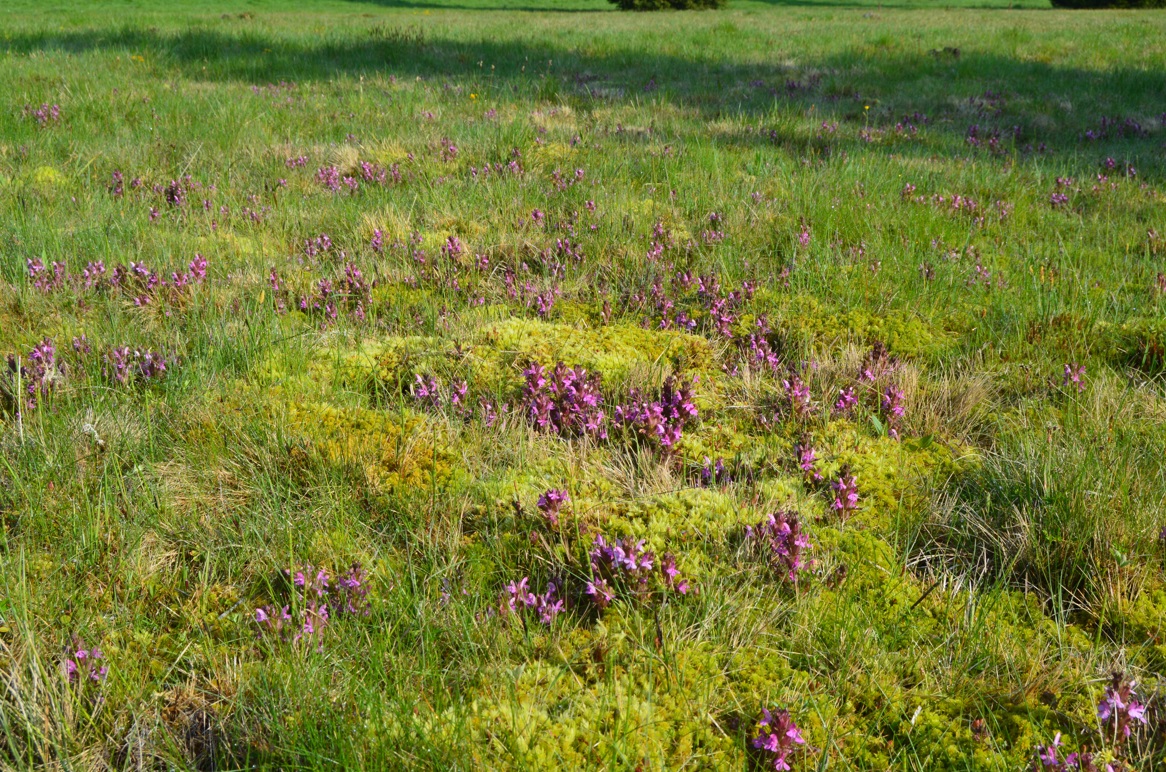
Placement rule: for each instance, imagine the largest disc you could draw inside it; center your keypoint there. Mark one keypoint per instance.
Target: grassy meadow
(860, 412)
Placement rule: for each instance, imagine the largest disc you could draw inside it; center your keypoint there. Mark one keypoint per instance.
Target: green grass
(1005, 558)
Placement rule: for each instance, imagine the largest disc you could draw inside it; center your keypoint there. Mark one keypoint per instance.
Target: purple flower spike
(546, 606)
(807, 460)
(1120, 709)
(845, 494)
(85, 664)
(782, 533)
(550, 503)
(565, 400)
(892, 404)
(777, 737)
(627, 568)
(319, 597)
(660, 421)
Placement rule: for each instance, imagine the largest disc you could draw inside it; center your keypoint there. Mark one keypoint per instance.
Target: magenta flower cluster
(807, 462)
(781, 534)
(28, 379)
(626, 567)
(1120, 709)
(426, 390)
(877, 363)
(428, 393)
(1048, 758)
(350, 292)
(892, 407)
(761, 355)
(846, 401)
(332, 178)
(778, 736)
(664, 306)
(317, 597)
(711, 472)
(660, 421)
(799, 401)
(85, 664)
(845, 494)
(551, 503)
(43, 115)
(967, 206)
(123, 365)
(546, 606)
(565, 400)
(722, 307)
(141, 283)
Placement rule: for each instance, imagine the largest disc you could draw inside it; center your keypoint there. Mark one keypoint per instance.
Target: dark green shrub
(660, 5)
(1109, 3)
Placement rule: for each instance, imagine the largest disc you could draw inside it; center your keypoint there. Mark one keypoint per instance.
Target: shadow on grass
(994, 102)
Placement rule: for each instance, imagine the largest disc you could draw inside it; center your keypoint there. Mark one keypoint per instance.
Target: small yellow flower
(473, 96)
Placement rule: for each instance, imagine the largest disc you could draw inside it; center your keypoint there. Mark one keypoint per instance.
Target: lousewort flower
(488, 412)
(845, 494)
(1047, 758)
(329, 177)
(662, 420)
(198, 268)
(1047, 755)
(316, 598)
(713, 473)
(125, 366)
(626, 568)
(546, 606)
(43, 115)
(1074, 374)
(550, 503)
(781, 533)
(93, 274)
(1120, 709)
(777, 737)
(892, 404)
(425, 390)
(457, 397)
(876, 363)
(348, 292)
(846, 401)
(807, 460)
(175, 194)
(44, 280)
(564, 400)
(798, 397)
(85, 664)
(27, 379)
